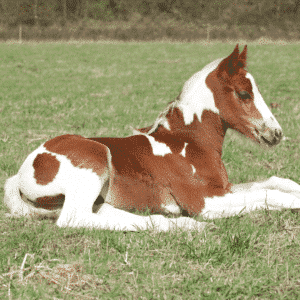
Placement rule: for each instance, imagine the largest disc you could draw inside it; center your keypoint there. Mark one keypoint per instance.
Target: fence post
(208, 31)
(20, 33)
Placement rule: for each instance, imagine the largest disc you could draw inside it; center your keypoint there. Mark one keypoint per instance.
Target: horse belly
(142, 194)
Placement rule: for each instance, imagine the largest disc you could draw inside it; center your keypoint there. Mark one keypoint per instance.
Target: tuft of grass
(49, 89)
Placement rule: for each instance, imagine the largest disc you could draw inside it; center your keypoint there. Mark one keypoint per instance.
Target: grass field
(102, 89)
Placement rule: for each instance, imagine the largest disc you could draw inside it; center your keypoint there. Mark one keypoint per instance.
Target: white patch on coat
(171, 208)
(194, 169)
(196, 96)
(183, 152)
(158, 148)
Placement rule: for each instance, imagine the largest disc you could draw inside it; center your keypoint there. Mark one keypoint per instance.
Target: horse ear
(229, 65)
(243, 58)
(232, 58)
(236, 50)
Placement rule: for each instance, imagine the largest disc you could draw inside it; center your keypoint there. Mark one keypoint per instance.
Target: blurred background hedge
(149, 19)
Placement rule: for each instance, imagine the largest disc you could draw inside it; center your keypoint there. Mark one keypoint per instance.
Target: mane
(189, 88)
(162, 116)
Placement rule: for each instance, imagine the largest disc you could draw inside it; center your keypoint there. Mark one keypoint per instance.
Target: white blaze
(261, 106)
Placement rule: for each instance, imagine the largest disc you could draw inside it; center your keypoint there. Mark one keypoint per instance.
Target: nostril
(278, 133)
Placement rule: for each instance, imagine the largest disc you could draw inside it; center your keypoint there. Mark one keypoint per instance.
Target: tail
(13, 200)
(18, 205)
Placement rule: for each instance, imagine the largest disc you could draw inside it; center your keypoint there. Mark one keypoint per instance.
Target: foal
(173, 167)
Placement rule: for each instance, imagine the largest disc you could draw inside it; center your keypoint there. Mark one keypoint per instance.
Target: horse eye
(244, 95)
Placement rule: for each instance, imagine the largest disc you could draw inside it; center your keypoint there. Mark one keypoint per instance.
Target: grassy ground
(103, 89)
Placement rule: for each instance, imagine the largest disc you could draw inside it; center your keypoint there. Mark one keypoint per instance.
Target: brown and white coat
(172, 167)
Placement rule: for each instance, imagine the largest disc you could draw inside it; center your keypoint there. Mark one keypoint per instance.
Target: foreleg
(243, 202)
(273, 183)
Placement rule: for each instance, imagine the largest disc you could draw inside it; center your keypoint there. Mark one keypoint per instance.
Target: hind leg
(79, 200)
(116, 219)
(82, 189)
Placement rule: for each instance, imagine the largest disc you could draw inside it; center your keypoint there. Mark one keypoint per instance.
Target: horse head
(239, 101)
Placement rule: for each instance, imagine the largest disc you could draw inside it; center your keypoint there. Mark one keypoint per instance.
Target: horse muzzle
(268, 133)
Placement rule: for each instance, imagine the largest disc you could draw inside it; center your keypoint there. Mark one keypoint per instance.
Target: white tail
(18, 205)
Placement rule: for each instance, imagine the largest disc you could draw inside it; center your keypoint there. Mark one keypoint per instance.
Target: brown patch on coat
(82, 152)
(46, 167)
(144, 181)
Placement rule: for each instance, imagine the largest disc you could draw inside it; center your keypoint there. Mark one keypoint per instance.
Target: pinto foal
(173, 167)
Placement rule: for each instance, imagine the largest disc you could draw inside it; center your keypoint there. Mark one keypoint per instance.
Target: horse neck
(200, 143)
(205, 135)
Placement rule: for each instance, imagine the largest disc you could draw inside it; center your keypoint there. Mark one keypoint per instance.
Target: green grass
(50, 89)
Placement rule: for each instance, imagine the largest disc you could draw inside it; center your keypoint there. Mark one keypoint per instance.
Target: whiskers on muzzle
(268, 133)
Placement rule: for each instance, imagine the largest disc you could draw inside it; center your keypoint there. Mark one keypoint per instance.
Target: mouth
(269, 138)
(270, 143)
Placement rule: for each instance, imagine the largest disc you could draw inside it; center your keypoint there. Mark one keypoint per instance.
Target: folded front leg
(237, 203)
(273, 183)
